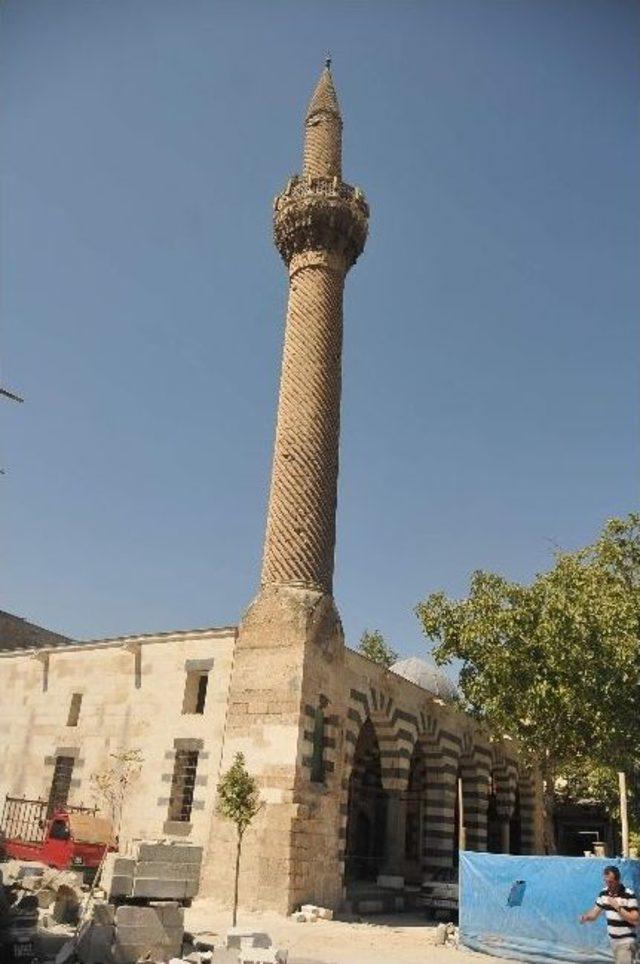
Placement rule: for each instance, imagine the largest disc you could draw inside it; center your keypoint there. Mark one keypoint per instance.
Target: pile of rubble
(58, 892)
(135, 912)
(446, 934)
(310, 913)
(126, 934)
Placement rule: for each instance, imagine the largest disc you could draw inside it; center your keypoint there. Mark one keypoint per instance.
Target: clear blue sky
(490, 407)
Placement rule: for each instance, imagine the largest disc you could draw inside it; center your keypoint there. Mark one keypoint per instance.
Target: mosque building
(358, 766)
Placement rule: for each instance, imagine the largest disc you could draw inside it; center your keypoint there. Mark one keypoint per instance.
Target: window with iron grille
(74, 709)
(61, 783)
(182, 785)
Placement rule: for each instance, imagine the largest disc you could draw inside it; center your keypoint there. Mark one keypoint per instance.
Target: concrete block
(152, 887)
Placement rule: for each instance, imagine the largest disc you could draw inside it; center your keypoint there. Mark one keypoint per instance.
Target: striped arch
(395, 742)
(441, 751)
(505, 781)
(396, 731)
(528, 800)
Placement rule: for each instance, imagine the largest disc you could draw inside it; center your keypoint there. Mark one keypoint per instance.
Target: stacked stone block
(158, 871)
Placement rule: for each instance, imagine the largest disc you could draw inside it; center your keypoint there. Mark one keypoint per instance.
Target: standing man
(621, 908)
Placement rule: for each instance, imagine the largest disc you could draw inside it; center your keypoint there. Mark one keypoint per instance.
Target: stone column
(394, 858)
(505, 833)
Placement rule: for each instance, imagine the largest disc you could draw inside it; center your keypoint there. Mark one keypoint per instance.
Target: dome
(425, 673)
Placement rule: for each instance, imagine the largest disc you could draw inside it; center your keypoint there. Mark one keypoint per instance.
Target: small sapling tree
(373, 646)
(239, 802)
(112, 784)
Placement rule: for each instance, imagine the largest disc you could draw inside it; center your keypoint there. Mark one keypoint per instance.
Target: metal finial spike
(327, 62)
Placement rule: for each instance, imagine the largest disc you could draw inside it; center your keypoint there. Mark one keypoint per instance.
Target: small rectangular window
(182, 785)
(195, 692)
(61, 783)
(74, 709)
(317, 757)
(201, 695)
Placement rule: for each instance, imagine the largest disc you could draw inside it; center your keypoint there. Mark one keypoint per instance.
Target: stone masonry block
(94, 942)
(131, 915)
(153, 887)
(119, 887)
(175, 853)
(170, 912)
(103, 913)
(167, 870)
(131, 953)
(191, 888)
(155, 934)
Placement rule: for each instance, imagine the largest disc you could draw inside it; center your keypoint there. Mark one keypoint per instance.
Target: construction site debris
(238, 937)
(310, 913)
(165, 871)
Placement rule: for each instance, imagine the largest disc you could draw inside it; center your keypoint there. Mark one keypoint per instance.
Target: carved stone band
(318, 259)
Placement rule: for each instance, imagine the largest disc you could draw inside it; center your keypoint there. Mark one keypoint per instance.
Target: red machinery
(70, 837)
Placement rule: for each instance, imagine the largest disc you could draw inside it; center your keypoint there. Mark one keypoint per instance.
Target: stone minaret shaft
(320, 227)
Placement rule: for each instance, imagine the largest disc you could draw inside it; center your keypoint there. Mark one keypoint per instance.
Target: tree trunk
(548, 800)
(236, 881)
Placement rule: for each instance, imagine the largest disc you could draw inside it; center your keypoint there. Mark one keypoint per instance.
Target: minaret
(320, 227)
(286, 693)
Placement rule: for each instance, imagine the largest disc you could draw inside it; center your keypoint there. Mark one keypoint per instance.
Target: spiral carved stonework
(320, 229)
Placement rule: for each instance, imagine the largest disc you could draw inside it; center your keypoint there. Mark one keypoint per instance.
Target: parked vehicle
(69, 838)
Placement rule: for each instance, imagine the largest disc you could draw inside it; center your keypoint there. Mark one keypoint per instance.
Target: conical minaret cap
(323, 131)
(324, 97)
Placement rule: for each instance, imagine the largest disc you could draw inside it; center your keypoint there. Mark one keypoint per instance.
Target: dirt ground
(397, 939)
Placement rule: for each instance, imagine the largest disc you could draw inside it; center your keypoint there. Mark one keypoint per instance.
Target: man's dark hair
(611, 869)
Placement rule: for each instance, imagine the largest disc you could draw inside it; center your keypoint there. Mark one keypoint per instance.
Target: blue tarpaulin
(527, 908)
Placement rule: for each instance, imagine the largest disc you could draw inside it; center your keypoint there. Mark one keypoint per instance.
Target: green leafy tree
(238, 801)
(582, 780)
(555, 664)
(373, 646)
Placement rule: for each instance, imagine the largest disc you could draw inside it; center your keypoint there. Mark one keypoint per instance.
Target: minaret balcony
(320, 213)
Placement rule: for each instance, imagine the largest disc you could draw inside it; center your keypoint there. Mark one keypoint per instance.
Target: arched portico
(366, 809)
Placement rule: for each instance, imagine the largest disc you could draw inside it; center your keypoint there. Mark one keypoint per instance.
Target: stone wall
(133, 693)
(287, 693)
